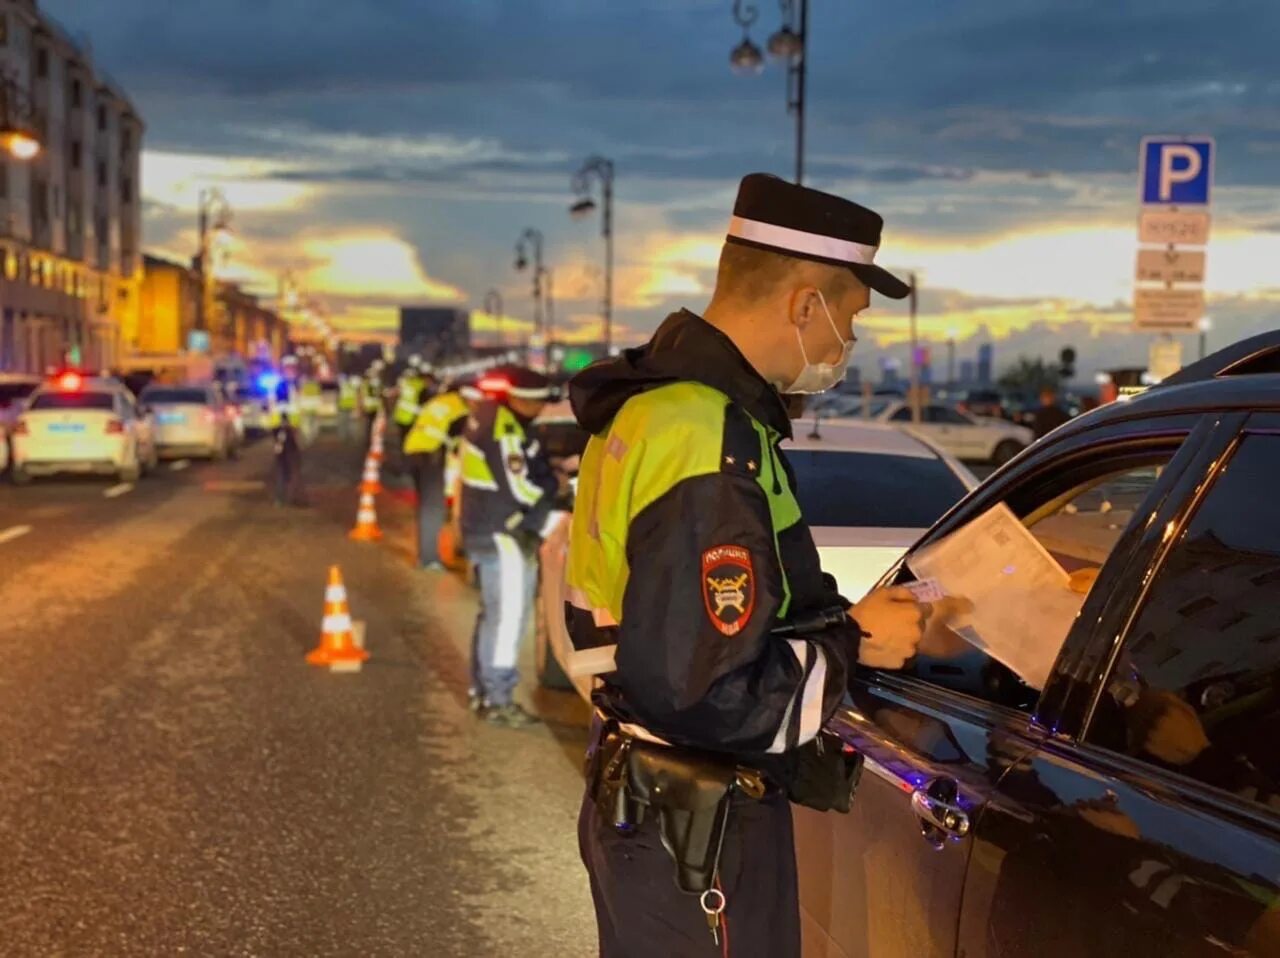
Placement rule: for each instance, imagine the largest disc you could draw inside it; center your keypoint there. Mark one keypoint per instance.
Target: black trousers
(288, 467)
(641, 913)
(428, 479)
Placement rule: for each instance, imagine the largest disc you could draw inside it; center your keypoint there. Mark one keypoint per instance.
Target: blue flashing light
(268, 382)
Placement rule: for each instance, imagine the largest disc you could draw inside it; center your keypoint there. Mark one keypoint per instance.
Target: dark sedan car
(1131, 805)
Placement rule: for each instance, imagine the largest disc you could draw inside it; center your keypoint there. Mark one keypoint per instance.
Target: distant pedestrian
(283, 420)
(1050, 415)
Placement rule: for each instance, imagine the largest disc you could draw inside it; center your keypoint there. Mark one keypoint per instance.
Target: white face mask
(819, 377)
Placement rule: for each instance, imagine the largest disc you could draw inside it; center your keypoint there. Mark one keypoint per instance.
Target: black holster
(823, 774)
(690, 792)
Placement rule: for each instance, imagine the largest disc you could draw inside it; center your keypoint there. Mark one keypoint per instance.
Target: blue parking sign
(1176, 171)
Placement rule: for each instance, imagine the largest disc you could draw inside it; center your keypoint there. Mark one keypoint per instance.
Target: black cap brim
(881, 280)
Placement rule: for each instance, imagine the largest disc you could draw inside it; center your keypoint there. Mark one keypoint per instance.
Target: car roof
(859, 435)
(1224, 380)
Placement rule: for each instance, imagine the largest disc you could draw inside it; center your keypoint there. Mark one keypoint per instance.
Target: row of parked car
(963, 434)
(1127, 805)
(77, 423)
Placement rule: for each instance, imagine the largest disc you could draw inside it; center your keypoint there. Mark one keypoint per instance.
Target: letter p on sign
(1176, 171)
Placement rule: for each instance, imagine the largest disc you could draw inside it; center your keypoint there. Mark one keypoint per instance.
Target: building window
(77, 154)
(77, 93)
(4, 29)
(102, 173)
(126, 190)
(4, 179)
(42, 62)
(126, 141)
(102, 117)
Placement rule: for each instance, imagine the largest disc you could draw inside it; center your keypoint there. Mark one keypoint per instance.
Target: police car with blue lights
(77, 423)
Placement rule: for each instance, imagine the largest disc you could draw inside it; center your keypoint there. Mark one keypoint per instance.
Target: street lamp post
(602, 169)
(1204, 326)
(788, 43)
(531, 239)
(549, 299)
(493, 306)
(213, 215)
(915, 353)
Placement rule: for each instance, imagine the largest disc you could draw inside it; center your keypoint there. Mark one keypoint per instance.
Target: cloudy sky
(391, 151)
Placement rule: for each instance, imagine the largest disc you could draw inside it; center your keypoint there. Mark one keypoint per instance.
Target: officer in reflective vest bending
(433, 437)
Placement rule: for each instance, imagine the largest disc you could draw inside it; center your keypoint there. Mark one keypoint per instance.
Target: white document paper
(1023, 605)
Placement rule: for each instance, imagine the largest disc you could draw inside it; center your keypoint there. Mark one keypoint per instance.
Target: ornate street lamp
(598, 167)
(788, 45)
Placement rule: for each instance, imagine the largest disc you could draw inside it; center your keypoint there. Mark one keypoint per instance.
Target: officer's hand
(894, 621)
(940, 641)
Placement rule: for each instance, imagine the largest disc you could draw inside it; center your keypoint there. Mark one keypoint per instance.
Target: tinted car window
(902, 415)
(15, 392)
(945, 416)
(73, 401)
(869, 490)
(187, 396)
(1196, 688)
(561, 440)
(1078, 522)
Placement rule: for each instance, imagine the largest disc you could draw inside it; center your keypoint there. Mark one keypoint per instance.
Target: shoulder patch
(515, 463)
(728, 587)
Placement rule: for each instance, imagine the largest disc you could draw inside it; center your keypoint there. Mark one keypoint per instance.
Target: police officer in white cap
(691, 562)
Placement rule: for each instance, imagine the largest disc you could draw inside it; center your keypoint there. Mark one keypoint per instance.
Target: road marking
(119, 490)
(14, 532)
(179, 464)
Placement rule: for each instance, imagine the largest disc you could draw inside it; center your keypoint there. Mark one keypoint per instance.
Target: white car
(971, 438)
(191, 420)
(867, 490)
(82, 425)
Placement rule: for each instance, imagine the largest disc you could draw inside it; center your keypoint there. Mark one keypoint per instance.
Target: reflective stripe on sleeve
(807, 697)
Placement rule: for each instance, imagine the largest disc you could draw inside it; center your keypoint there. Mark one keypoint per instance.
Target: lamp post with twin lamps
(598, 167)
(788, 44)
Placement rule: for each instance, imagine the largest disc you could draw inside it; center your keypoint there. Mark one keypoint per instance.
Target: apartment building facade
(70, 218)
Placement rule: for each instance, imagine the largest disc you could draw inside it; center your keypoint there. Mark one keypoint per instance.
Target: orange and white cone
(366, 529)
(371, 481)
(337, 648)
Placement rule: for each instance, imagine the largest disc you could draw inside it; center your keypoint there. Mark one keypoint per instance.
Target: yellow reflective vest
(438, 425)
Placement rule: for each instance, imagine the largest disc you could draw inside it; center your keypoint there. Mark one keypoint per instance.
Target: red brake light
(69, 381)
(493, 384)
(20, 428)
(114, 427)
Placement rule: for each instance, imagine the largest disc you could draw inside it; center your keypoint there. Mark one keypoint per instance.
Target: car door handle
(945, 816)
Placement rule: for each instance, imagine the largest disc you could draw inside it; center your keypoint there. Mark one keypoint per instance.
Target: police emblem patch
(728, 587)
(515, 463)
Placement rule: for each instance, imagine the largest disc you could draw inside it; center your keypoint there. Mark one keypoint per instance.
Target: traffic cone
(337, 648)
(366, 529)
(371, 482)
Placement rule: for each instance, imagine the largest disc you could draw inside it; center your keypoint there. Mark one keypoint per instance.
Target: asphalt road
(174, 779)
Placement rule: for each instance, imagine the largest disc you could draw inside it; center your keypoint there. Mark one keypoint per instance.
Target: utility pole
(915, 363)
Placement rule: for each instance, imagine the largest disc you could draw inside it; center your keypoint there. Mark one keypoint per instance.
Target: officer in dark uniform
(508, 494)
(689, 560)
